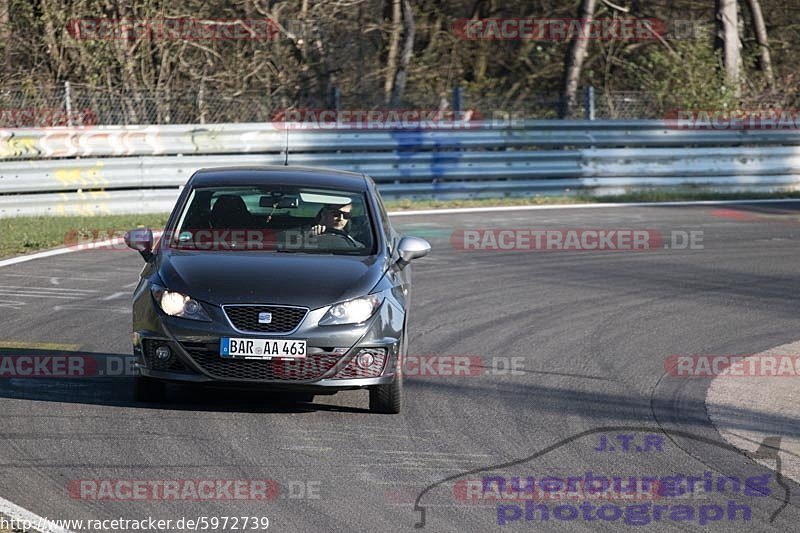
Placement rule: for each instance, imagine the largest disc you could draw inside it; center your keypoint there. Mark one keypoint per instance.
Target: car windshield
(280, 219)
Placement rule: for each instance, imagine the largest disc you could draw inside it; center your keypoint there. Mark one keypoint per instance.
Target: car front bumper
(329, 370)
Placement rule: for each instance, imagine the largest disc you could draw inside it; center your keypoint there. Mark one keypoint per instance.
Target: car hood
(306, 280)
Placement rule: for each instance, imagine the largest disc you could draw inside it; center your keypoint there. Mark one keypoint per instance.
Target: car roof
(279, 175)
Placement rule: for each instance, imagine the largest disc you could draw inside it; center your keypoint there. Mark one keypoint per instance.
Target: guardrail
(139, 169)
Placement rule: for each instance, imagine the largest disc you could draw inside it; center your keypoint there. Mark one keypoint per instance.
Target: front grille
(173, 364)
(284, 319)
(312, 368)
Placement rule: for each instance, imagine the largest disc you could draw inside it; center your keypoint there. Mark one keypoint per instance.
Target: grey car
(285, 278)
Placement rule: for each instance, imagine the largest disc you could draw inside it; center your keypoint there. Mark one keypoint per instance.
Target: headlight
(180, 305)
(352, 311)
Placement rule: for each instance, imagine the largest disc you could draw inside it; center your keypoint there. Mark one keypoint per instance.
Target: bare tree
(394, 48)
(728, 36)
(5, 33)
(409, 31)
(765, 60)
(574, 62)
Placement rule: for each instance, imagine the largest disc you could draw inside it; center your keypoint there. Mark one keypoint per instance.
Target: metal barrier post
(588, 98)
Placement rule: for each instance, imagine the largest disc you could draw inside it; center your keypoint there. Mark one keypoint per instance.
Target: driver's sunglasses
(338, 212)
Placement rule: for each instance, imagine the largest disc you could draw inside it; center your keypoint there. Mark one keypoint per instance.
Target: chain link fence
(76, 105)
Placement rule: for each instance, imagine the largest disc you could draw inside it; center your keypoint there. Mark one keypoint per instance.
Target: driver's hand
(318, 229)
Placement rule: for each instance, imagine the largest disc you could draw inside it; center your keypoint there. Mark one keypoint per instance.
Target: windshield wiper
(320, 252)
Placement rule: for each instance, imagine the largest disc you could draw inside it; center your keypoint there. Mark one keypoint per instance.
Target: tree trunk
(409, 30)
(765, 60)
(574, 63)
(5, 34)
(394, 48)
(728, 33)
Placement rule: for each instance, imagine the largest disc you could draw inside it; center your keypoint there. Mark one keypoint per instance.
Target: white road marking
(21, 294)
(46, 289)
(51, 277)
(34, 345)
(687, 203)
(39, 255)
(69, 307)
(446, 454)
(65, 250)
(54, 280)
(20, 514)
(114, 296)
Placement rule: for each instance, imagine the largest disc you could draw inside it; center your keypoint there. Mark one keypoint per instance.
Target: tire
(387, 399)
(148, 389)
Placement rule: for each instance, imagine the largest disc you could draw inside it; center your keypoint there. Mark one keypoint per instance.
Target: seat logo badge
(264, 318)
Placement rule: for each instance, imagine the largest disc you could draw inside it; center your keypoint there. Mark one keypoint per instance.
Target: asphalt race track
(568, 350)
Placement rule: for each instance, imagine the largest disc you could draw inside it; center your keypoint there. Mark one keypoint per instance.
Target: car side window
(385, 222)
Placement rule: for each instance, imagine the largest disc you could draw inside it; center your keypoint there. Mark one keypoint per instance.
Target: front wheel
(387, 399)
(148, 389)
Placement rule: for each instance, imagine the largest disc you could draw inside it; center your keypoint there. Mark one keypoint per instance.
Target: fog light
(163, 353)
(365, 359)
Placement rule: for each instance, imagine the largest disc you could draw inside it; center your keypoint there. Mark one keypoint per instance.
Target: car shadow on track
(668, 402)
(107, 379)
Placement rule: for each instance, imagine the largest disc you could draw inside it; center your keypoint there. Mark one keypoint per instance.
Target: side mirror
(141, 240)
(411, 248)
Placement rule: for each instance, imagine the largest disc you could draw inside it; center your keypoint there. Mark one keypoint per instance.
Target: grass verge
(22, 235)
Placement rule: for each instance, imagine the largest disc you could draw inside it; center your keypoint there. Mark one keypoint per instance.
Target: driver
(332, 219)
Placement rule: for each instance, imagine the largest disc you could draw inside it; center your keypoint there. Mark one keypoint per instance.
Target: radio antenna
(286, 159)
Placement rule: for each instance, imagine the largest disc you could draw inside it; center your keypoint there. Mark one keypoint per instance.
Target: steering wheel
(346, 236)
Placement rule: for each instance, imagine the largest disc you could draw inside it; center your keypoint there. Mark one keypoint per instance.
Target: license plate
(261, 348)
